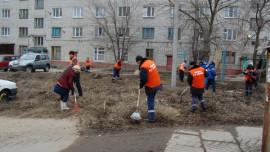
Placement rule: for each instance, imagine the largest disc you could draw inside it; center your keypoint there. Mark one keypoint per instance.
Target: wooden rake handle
(139, 94)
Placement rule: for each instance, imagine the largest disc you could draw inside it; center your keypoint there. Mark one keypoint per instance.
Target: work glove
(139, 87)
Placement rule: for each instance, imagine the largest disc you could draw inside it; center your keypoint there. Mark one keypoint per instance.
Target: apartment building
(95, 28)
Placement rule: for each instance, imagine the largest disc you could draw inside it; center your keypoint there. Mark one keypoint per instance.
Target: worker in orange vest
(88, 64)
(74, 61)
(149, 78)
(250, 73)
(116, 69)
(196, 81)
(182, 70)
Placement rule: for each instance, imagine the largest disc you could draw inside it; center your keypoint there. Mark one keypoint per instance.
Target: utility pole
(266, 119)
(175, 42)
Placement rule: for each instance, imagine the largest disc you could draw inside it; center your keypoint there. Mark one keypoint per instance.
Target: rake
(76, 108)
(136, 114)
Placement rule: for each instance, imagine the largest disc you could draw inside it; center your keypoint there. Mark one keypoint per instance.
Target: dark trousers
(63, 92)
(181, 75)
(211, 82)
(77, 82)
(88, 67)
(151, 106)
(115, 73)
(248, 88)
(194, 100)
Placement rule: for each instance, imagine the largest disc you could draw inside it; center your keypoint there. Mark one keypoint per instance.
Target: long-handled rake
(76, 108)
(180, 96)
(136, 114)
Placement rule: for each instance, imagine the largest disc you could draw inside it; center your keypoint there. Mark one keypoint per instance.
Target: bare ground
(107, 106)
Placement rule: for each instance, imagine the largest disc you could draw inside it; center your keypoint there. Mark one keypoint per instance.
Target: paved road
(49, 135)
(36, 135)
(208, 139)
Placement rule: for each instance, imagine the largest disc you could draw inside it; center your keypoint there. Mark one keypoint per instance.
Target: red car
(5, 59)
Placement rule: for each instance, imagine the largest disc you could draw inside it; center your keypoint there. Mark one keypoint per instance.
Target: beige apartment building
(94, 28)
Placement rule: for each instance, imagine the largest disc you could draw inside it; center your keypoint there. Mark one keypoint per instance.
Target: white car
(8, 90)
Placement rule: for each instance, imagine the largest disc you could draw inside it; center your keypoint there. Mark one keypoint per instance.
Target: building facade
(94, 29)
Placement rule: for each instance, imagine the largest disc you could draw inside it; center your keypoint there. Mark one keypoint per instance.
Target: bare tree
(262, 18)
(115, 19)
(204, 13)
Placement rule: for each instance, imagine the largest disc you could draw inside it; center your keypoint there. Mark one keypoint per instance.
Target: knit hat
(139, 58)
(71, 52)
(192, 63)
(76, 68)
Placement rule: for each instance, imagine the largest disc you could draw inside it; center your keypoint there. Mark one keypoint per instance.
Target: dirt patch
(107, 106)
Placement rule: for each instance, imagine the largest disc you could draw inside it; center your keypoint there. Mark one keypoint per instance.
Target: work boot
(113, 81)
(148, 120)
(64, 106)
(193, 109)
(203, 106)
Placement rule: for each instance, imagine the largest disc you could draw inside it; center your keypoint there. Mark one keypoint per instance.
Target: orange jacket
(198, 77)
(117, 66)
(88, 62)
(182, 67)
(247, 77)
(152, 72)
(71, 61)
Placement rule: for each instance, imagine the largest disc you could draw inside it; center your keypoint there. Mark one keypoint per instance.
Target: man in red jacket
(65, 83)
(116, 69)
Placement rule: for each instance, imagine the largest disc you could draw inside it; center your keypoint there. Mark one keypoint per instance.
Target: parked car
(30, 62)
(5, 59)
(8, 90)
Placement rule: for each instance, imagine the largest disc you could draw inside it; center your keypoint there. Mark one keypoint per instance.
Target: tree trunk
(257, 41)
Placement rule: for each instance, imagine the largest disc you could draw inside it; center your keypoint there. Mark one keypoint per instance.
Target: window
(256, 3)
(148, 11)
(22, 49)
(99, 31)
(149, 54)
(123, 32)
(148, 33)
(253, 24)
(100, 12)
(170, 33)
(204, 12)
(230, 57)
(125, 56)
(77, 32)
(57, 12)
(199, 34)
(124, 11)
(39, 4)
(56, 32)
(231, 12)
(172, 11)
(38, 41)
(23, 14)
(5, 31)
(77, 12)
(99, 54)
(6, 13)
(39, 22)
(56, 53)
(229, 34)
(23, 32)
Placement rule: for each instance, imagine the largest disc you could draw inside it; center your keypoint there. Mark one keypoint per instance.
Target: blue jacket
(204, 64)
(211, 70)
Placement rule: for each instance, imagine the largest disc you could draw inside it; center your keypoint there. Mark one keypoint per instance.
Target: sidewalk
(236, 139)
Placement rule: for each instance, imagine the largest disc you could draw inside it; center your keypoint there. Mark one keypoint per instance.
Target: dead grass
(107, 107)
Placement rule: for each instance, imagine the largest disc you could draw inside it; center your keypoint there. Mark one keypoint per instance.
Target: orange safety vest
(152, 72)
(88, 62)
(182, 67)
(198, 77)
(248, 76)
(71, 60)
(117, 66)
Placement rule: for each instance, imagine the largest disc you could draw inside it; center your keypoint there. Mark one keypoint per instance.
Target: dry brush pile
(107, 106)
